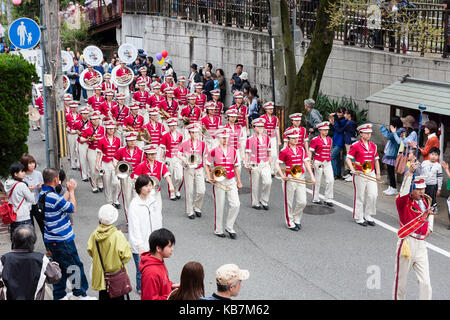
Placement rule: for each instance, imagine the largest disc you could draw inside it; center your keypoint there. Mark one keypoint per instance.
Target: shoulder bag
(7, 209)
(117, 283)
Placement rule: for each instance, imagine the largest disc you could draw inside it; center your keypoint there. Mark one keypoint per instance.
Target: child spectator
(155, 283)
(433, 171)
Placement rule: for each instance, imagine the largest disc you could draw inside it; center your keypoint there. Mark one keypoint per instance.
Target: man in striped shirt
(59, 236)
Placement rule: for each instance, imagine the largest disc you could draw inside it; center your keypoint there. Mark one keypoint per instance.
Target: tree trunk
(310, 74)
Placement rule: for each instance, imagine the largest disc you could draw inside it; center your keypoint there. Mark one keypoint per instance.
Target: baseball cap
(230, 273)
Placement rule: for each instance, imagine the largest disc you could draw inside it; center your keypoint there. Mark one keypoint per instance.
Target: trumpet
(296, 172)
(219, 174)
(367, 168)
(123, 169)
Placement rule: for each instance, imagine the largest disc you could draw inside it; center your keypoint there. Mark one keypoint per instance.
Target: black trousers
(76, 91)
(431, 190)
(103, 295)
(391, 175)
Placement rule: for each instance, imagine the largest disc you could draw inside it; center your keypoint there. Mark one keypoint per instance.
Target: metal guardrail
(253, 15)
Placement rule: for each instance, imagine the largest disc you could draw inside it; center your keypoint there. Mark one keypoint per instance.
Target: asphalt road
(330, 258)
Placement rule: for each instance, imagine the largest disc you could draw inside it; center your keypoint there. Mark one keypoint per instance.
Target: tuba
(219, 174)
(123, 169)
(296, 172)
(91, 83)
(123, 80)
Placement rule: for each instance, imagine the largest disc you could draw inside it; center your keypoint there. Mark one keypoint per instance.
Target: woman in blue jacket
(338, 121)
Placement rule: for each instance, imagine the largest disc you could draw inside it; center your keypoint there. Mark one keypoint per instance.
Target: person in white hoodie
(144, 217)
(19, 195)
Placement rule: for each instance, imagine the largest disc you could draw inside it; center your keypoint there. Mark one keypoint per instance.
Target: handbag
(117, 283)
(400, 162)
(7, 209)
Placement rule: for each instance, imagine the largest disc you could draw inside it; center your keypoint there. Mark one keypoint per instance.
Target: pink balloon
(17, 2)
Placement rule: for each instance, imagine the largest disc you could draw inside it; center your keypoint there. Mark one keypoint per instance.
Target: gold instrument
(367, 168)
(123, 169)
(164, 114)
(219, 174)
(128, 128)
(186, 121)
(296, 172)
(144, 135)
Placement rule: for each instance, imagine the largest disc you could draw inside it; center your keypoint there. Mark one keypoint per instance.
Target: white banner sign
(34, 57)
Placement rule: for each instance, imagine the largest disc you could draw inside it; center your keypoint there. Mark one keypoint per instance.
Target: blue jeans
(336, 161)
(83, 91)
(66, 254)
(137, 259)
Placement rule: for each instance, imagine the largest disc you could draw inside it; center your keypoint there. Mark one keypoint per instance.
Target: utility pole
(52, 76)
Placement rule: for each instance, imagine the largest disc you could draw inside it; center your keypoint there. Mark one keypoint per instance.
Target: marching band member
(107, 106)
(140, 97)
(181, 92)
(123, 71)
(119, 113)
(257, 161)
(272, 126)
(132, 154)
(89, 76)
(320, 148)
(219, 106)
(106, 149)
(411, 206)
(292, 155)
(143, 77)
(95, 132)
(168, 84)
(107, 85)
(366, 190)
(210, 124)
(157, 99)
(171, 105)
(95, 101)
(39, 102)
(194, 176)
(155, 129)
(303, 140)
(227, 157)
(71, 119)
(242, 112)
(170, 143)
(190, 114)
(82, 128)
(237, 137)
(201, 98)
(67, 99)
(134, 122)
(154, 168)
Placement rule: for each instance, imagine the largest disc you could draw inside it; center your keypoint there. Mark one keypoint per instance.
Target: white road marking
(386, 226)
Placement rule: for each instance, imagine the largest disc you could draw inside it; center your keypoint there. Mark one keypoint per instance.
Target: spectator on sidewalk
(432, 169)
(229, 280)
(59, 236)
(20, 196)
(393, 136)
(24, 272)
(236, 81)
(191, 283)
(74, 76)
(114, 249)
(222, 85)
(314, 116)
(35, 181)
(432, 139)
(447, 172)
(143, 218)
(209, 86)
(349, 137)
(338, 121)
(155, 281)
(253, 106)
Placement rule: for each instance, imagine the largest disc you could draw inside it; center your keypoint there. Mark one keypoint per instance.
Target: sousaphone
(93, 56)
(92, 83)
(66, 61)
(66, 83)
(128, 54)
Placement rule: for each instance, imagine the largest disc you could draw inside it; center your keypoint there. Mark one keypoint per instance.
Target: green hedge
(15, 96)
(326, 106)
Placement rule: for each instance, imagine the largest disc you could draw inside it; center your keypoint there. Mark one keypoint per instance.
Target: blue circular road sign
(24, 33)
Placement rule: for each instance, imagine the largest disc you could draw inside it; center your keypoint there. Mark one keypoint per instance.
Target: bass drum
(66, 83)
(92, 83)
(122, 82)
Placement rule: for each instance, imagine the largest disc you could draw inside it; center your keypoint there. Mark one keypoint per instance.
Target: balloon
(161, 61)
(159, 56)
(17, 2)
(164, 54)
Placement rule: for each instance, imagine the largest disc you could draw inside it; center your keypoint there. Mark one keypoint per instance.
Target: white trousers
(176, 172)
(293, 215)
(365, 198)
(110, 183)
(96, 180)
(82, 157)
(211, 143)
(73, 152)
(194, 179)
(419, 262)
(261, 172)
(219, 205)
(323, 169)
(273, 153)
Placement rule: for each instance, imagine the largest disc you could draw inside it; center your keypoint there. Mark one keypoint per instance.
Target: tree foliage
(15, 96)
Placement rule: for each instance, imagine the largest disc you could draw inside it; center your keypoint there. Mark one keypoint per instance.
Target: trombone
(219, 174)
(296, 171)
(366, 168)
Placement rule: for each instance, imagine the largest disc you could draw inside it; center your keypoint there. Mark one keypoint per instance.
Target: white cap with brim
(230, 273)
(107, 214)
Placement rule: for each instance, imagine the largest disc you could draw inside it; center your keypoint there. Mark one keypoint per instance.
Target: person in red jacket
(155, 282)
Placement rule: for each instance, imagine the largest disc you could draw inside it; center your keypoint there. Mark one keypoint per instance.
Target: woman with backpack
(19, 195)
